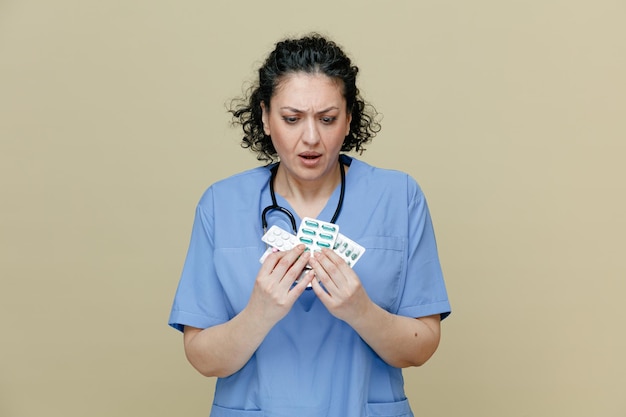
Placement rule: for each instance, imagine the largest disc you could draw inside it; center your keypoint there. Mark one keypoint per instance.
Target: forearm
(224, 349)
(400, 341)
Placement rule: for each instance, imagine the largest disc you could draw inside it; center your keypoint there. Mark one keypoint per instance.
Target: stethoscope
(291, 217)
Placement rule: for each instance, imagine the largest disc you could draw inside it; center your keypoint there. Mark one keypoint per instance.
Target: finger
(296, 269)
(283, 260)
(318, 263)
(335, 259)
(324, 295)
(303, 280)
(337, 267)
(270, 261)
(317, 287)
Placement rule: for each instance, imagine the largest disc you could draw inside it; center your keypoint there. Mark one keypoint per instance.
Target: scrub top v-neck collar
(329, 209)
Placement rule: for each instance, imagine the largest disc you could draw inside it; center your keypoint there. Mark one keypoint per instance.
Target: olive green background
(510, 114)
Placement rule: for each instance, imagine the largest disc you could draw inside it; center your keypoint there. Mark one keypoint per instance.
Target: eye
(290, 119)
(328, 119)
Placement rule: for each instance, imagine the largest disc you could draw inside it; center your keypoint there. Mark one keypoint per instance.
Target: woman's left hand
(399, 340)
(340, 290)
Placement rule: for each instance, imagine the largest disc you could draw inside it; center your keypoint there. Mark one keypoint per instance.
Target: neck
(308, 198)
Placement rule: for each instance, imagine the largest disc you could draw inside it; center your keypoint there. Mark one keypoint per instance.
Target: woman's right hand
(223, 349)
(274, 292)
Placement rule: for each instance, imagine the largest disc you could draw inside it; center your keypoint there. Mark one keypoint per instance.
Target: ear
(348, 121)
(265, 118)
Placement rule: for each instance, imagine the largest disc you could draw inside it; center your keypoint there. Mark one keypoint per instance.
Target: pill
(326, 236)
(328, 228)
(311, 223)
(308, 232)
(306, 240)
(323, 244)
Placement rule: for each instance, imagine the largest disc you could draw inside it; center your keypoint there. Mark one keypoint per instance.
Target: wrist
(367, 315)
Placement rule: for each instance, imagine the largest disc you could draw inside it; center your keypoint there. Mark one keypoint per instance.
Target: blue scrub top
(311, 363)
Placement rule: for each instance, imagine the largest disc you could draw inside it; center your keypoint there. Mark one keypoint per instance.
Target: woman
(305, 333)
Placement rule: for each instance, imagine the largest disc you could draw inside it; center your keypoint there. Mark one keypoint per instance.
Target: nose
(311, 134)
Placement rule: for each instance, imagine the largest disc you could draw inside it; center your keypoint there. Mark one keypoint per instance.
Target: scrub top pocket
(393, 409)
(381, 269)
(217, 411)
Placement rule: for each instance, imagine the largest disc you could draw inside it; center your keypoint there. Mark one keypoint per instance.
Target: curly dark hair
(312, 54)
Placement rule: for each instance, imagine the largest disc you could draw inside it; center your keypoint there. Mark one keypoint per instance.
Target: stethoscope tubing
(292, 219)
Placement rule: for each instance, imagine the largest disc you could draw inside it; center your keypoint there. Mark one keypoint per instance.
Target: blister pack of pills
(348, 249)
(311, 232)
(316, 234)
(277, 239)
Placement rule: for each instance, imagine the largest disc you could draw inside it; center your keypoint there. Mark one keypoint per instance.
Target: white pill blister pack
(277, 239)
(315, 234)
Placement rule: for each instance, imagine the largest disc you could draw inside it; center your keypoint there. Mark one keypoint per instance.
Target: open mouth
(309, 156)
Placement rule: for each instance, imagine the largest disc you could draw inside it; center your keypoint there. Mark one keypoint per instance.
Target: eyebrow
(293, 109)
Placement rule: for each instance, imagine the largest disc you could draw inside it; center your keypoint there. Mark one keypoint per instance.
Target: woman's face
(307, 120)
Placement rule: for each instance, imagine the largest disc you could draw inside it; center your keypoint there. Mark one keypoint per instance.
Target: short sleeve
(199, 300)
(424, 292)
